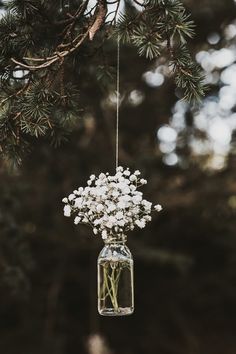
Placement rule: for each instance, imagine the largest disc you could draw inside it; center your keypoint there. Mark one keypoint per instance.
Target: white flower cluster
(112, 205)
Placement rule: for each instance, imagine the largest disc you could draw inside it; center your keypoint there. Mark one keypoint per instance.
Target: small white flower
(137, 199)
(101, 191)
(109, 224)
(143, 181)
(71, 197)
(111, 207)
(119, 169)
(121, 179)
(67, 210)
(127, 173)
(102, 176)
(121, 205)
(121, 223)
(89, 183)
(112, 219)
(124, 188)
(93, 191)
(137, 173)
(115, 194)
(147, 205)
(95, 231)
(104, 234)
(92, 177)
(77, 220)
(140, 223)
(135, 210)
(118, 175)
(119, 215)
(126, 198)
(65, 200)
(99, 208)
(133, 178)
(78, 202)
(147, 218)
(158, 207)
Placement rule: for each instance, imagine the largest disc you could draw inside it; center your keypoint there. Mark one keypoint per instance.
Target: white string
(117, 100)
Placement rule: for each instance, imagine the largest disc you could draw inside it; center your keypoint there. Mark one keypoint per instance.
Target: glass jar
(115, 279)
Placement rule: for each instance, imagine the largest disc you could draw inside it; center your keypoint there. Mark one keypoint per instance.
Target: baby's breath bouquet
(112, 206)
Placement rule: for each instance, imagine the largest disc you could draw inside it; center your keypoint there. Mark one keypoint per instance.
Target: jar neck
(116, 240)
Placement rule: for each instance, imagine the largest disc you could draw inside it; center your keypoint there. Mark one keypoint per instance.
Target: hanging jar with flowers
(115, 278)
(112, 206)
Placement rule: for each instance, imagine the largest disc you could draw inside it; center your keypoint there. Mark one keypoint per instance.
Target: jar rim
(118, 239)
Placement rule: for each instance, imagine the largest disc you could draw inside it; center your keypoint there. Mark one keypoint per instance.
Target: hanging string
(117, 100)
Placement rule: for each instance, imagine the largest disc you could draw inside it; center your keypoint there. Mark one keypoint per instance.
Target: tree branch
(99, 18)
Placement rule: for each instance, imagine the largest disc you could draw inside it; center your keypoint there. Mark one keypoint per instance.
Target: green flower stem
(103, 295)
(114, 287)
(110, 284)
(105, 284)
(117, 280)
(110, 290)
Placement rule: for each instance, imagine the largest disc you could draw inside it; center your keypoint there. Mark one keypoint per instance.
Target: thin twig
(57, 57)
(15, 94)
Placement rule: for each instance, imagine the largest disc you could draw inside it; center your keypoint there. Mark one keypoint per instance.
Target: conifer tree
(44, 47)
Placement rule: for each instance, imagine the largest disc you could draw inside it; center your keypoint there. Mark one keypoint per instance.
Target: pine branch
(93, 28)
(40, 46)
(164, 24)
